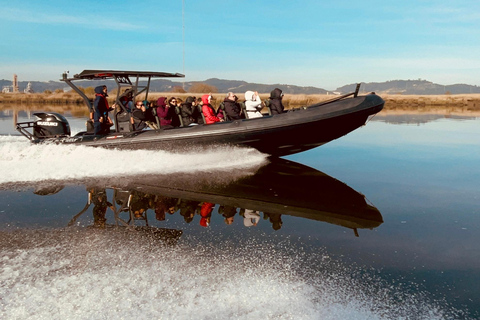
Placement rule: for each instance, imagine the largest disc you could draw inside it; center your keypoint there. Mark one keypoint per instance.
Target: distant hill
(420, 87)
(406, 87)
(242, 86)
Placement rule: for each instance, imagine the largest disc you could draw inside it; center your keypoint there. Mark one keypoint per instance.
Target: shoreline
(394, 104)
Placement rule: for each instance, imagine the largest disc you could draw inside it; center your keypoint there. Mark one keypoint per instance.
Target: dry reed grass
(450, 104)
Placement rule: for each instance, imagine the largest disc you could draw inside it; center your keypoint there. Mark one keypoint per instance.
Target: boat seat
(199, 107)
(244, 109)
(178, 111)
(155, 115)
(268, 104)
(123, 120)
(221, 108)
(90, 126)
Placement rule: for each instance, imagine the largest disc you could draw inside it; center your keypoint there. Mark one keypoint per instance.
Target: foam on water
(22, 161)
(87, 273)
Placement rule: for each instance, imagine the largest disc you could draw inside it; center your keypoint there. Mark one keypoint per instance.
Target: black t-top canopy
(110, 74)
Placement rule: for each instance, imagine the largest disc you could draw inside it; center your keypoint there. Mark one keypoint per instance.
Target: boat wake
(76, 273)
(22, 161)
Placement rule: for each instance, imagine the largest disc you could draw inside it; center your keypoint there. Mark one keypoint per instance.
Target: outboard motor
(50, 125)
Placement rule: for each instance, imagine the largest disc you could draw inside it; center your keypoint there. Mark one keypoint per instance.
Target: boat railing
(354, 94)
(22, 128)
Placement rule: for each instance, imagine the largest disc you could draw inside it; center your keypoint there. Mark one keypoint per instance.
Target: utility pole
(183, 42)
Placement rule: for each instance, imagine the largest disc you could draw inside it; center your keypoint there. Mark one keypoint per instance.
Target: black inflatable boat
(278, 135)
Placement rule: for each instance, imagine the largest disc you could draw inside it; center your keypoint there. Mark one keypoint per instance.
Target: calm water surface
(383, 223)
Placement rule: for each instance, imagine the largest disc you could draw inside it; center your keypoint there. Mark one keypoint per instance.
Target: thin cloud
(101, 22)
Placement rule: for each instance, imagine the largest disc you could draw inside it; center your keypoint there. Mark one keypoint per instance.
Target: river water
(383, 223)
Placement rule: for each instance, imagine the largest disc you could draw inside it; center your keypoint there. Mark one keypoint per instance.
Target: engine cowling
(50, 125)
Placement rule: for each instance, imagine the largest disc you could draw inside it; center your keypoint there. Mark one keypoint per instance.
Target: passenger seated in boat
(253, 104)
(142, 118)
(197, 114)
(126, 100)
(276, 105)
(150, 110)
(163, 113)
(186, 111)
(172, 110)
(232, 107)
(208, 110)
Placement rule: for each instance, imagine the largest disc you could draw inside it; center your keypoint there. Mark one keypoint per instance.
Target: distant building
(15, 84)
(29, 89)
(13, 88)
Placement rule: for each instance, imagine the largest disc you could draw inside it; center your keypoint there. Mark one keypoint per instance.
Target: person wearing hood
(253, 104)
(276, 105)
(206, 213)
(208, 110)
(163, 113)
(232, 108)
(186, 111)
(101, 120)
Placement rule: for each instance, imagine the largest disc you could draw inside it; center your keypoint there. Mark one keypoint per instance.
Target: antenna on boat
(183, 42)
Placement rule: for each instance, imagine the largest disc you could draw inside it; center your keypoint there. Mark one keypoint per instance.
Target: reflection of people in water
(251, 218)
(140, 203)
(206, 213)
(228, 212)
(100, 202)
(163, 205)
(275, 219)
(187, 209)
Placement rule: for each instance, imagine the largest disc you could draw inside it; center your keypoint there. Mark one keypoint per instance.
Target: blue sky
(325, 44)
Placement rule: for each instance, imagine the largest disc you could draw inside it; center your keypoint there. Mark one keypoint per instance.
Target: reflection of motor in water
(280, 188)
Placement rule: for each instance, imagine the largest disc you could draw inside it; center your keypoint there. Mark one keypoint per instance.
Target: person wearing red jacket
(163, 113)
(208, 110)
(206, 213)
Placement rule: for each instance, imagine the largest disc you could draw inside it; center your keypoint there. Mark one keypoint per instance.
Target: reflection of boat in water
(278, 134)
(281, 188)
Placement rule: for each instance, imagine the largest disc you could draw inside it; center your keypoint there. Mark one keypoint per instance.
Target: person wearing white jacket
(251, 218)
(253, 104)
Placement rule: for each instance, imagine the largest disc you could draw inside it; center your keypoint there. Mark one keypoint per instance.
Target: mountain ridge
(405, 87)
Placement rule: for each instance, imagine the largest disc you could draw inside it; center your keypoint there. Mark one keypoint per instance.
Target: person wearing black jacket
(276, 105)
(140, 116)
(232, 108)
(101, 120)
(186, 111)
